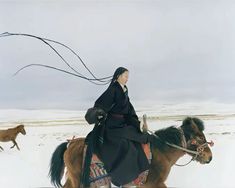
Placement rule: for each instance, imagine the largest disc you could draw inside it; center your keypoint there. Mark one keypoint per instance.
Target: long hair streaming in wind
(73, 72)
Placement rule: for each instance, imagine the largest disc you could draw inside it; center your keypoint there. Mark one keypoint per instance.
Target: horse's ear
(186, 125)
(194, 127)
(189, 127)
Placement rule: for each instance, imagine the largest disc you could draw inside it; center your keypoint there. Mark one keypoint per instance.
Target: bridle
(199, 149)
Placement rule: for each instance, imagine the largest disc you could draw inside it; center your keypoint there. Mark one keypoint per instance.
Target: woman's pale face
(123, 78)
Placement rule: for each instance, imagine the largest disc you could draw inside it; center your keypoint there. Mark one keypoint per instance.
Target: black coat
(121, 151)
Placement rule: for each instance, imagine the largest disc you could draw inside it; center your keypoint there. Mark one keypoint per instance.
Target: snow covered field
(46, 129)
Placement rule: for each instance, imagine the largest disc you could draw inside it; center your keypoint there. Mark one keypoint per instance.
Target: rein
(193, 158)
(175, 146)
(178, 147)
(195, 153)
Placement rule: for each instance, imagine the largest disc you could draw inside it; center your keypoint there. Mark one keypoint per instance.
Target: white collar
(123, 87)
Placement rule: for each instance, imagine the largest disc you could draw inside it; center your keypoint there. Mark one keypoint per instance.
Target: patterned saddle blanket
(99, 177)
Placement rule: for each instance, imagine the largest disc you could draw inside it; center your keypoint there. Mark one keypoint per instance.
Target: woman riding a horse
(116, 137)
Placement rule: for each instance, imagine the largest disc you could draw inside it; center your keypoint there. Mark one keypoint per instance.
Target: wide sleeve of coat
(106, 100)
(133, 118)
(132, 112)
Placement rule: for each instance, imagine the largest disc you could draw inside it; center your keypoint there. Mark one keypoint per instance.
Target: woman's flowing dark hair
(73, 72)
(117, 73)
(50, 43)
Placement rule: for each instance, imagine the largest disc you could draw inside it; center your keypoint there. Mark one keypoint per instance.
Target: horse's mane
(173, 135)
(199, 123)
(188, 128)
(170, 134)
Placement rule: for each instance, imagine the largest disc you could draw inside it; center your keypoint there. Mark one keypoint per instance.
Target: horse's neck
(162, 162)
(170, 156)
(173, 155)
(14, 131)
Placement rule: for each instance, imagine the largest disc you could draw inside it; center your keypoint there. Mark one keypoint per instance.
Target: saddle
(99, 177)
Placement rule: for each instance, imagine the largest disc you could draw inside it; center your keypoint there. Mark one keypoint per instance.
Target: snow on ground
(46, 129)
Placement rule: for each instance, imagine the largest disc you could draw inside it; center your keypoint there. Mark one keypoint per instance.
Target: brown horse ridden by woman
(11, 134)
(189, 136)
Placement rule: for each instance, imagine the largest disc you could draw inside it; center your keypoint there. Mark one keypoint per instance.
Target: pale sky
(176, 51)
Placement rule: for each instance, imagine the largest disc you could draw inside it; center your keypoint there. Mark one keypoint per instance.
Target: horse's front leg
(15, 144)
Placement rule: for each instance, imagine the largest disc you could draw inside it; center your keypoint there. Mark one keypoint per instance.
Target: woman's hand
(100, 114)
(94, 115)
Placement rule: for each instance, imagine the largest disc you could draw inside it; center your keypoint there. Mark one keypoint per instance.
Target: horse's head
(195, 139)
(21, 129)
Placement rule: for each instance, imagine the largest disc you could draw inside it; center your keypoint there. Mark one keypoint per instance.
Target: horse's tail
(57, 165)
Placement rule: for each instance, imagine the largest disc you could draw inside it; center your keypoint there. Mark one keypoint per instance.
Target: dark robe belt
(118, 116)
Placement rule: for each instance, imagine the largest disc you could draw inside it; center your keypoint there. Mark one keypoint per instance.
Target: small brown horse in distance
(189, 134)
(11, 134)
